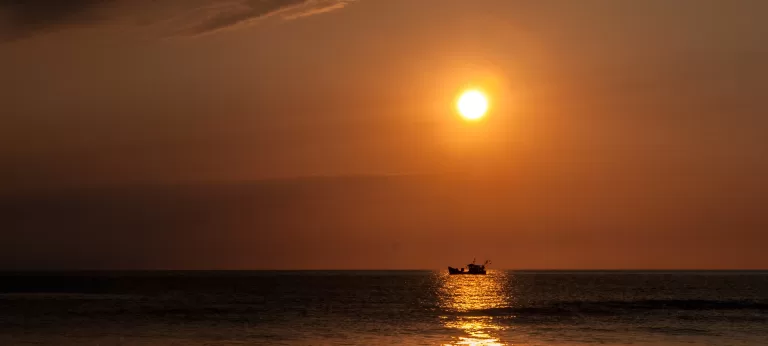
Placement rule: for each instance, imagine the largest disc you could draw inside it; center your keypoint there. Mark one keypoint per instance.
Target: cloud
(19, 18)
(316, 7)
(24, 18)
(231, 14)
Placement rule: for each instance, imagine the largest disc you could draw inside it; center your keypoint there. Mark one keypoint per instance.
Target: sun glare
(472, 105)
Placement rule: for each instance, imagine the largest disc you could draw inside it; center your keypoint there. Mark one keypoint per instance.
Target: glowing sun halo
(472, 105)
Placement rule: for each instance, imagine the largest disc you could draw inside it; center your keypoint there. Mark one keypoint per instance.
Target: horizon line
(4, 271)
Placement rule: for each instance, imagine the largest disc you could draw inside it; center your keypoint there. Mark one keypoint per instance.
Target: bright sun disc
(472, 105)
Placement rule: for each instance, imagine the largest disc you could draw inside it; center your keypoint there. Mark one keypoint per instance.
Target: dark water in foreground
(384, 308)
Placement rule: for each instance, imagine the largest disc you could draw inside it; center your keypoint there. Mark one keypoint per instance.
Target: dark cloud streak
(22, 19)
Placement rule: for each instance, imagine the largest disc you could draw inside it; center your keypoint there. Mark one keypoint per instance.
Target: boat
(472, 269)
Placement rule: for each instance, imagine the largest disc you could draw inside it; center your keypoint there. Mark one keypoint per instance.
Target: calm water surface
(384, 308)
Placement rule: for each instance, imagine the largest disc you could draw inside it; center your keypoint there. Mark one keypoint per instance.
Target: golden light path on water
(462, 294)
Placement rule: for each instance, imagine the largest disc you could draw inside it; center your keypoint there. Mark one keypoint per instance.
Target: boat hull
(457, 271)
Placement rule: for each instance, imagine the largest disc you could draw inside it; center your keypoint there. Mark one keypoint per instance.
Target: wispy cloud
(25, 18)
(316, 7)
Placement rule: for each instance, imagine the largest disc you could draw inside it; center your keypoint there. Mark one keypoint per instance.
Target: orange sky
(621, 134)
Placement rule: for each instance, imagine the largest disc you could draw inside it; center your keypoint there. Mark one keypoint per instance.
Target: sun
(472, 105)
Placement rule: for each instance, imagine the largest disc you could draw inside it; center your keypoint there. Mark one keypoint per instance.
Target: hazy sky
(322, 134)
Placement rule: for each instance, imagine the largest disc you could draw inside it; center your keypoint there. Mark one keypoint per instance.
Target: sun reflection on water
(467, 298)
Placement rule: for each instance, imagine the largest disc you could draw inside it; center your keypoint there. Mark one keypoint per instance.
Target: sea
(384, 308)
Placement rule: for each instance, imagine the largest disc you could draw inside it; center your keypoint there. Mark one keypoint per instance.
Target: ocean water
(384, 308)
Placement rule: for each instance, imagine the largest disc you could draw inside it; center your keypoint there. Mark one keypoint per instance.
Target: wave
(624, 307)
(65, 296)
